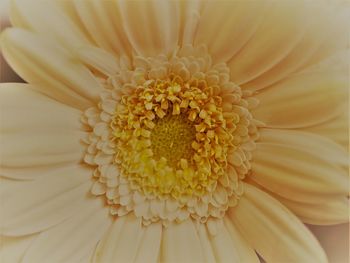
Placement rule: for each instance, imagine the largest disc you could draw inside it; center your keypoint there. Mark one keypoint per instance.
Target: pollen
(172, 137)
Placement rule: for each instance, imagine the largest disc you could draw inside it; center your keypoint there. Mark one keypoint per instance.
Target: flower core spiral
(171, 138)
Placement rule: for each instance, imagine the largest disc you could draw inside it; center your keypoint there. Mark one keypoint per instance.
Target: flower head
(173, 131)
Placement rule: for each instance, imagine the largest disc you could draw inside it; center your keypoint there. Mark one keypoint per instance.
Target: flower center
(172, 137)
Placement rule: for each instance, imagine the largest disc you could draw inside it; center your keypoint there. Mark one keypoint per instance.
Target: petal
(330, 212)
(56, 72)
(152, 26)
(299, 166)
(315, 35)
(223, 247)
(73, 239)
(181, 243)
(12, 249)
(45, 17)
(221, 26)
(273, 231)
(282, 28)
(103, 22)
(32, 206)
(37, 130)
(303, 100)
(245, 252)
(128, 241)
(336, 129)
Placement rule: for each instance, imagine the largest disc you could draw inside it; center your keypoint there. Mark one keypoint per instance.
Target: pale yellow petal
(37, 130)
(12, 249)
(317, 28)
(336, 129)
(205, 243)
(273, 231)
(181, 243)
(280, 31)
(128, 241)
(244, 251)
(22, 107)
(223, 246)
(152, 26)
(304, 99)
(299, 167)
(45, 17)
(102, 20)
(190, 15)
(328, 212)
(73, 239)
(32, 206)
(225, 26)
(99, 59)
(43, 62)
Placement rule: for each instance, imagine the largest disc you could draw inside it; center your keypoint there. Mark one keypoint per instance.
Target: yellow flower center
(171, 138)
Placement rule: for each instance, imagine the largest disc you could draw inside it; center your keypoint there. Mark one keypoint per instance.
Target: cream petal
(205, 243)
(22, 107)
(190, 15)
(103, 22)
(282, 28)
(45, 17)
(55, 71)
(303, 100)
(336, 129)
(12, 249)
(296, 167)
(99, 59)
(329, 212)
(32, 206)
(223, 247)
(316, 27)
(128, 241)
(52, 130)
(244, 251)
(272, 230)
(152, 26)
(73, 239)
(181, 243)
(221, 26)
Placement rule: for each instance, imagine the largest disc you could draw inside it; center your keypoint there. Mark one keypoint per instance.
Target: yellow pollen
(172, 137)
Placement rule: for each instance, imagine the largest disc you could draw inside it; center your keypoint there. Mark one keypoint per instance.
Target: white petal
(151, 26)
(273, 231)
(32, 206)
(299, 166)
(181, 243)
(43, 62)
(73, 239)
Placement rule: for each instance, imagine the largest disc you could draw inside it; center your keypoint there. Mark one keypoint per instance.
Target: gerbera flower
(173, 131)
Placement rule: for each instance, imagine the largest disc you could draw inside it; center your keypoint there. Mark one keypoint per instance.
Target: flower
(173, 131)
